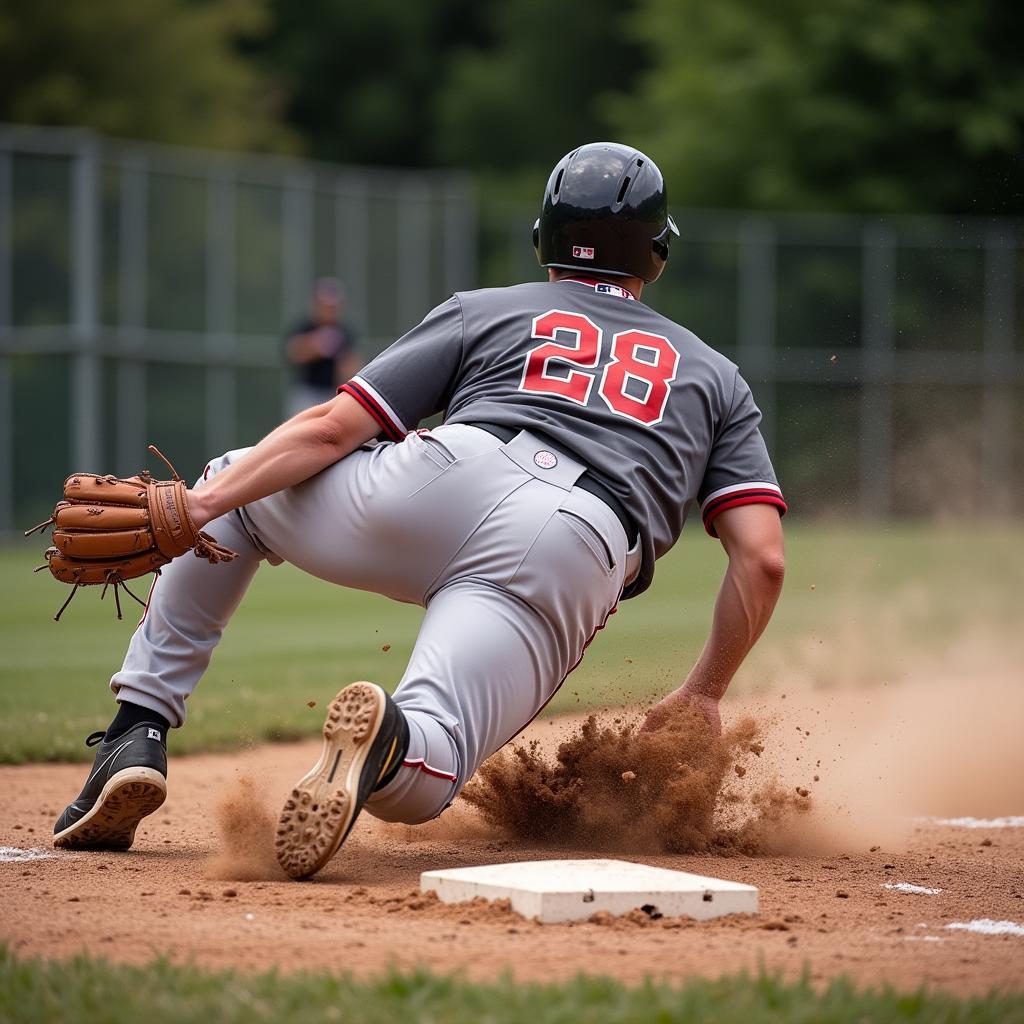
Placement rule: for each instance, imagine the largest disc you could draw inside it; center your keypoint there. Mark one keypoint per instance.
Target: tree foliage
(362, 77)
(536, 89)
(869, 105)
(902, 105)
(163, 70)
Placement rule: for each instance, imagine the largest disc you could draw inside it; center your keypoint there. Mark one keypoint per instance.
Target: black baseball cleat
(365, 740)
(127, 782)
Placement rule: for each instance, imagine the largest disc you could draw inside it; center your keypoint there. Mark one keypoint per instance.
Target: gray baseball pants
(516, 567)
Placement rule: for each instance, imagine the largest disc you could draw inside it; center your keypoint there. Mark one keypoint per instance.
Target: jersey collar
(601, 287)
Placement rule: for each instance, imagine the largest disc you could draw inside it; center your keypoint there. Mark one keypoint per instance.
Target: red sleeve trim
(370, 404)
(428, 769)
(735, 500)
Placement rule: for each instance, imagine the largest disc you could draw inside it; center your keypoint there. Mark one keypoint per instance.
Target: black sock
(400, 751)
(130, 715)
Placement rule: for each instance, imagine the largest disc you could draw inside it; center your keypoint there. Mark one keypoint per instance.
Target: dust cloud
(245, 828)
(944, 746)
(807, 773)
(609, 786)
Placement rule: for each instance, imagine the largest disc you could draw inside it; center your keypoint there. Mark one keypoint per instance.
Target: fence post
(130, 451)
(757, 317)
(221, 399)
(298, 242)
(352, 248)
(997, 403)
(412, 253)
(460, 236)
(878, 309)
(86, 379)
(6, 324)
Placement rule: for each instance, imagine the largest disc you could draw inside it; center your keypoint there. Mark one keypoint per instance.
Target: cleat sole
(321, 810)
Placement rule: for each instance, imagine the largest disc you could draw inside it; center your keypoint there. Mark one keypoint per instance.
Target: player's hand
(664, 710)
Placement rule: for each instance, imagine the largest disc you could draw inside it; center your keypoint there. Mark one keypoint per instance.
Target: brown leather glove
(108, 530)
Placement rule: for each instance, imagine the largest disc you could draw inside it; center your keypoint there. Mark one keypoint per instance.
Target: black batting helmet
(605, 210)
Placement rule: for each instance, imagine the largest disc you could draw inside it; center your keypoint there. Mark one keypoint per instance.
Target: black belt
(587, 481)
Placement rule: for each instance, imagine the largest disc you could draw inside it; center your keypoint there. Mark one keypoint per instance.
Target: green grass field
(89, 991)
(860, 606)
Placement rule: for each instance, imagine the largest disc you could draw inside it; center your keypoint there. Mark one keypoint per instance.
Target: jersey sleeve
(413, 378)
(739, 471)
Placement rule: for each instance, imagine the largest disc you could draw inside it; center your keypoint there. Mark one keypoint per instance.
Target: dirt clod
(680, 805)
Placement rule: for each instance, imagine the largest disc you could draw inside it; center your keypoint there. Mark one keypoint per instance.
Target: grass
(860, 606)
(87, 990)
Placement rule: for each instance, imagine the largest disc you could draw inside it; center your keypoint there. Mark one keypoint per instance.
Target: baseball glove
(108, 530)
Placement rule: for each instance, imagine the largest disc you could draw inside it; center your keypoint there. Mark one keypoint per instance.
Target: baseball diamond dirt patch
(849, 882)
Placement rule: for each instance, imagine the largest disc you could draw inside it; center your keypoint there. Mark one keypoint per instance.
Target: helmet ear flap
(660, 242)
(536, 238)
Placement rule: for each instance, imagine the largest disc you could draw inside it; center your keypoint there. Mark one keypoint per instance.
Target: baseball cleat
(127, 782)
(365, 740)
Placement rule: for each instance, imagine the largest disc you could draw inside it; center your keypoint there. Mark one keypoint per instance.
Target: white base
(572, 890)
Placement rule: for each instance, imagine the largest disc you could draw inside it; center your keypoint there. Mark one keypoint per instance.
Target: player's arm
(403, 385)
(298, 449)
(752, 538)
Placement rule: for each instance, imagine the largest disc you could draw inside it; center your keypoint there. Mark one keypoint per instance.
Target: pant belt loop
(529, 453)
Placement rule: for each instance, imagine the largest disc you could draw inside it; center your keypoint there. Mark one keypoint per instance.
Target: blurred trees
(906, 105)
(164, 70)
(362, 78)
(495, 85)
(538, 87)
(868, 105)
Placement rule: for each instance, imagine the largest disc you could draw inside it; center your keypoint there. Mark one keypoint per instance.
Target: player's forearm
(752, 538)
(744, 606)
(293, 452)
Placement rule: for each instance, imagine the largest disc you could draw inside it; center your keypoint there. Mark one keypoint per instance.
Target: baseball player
(580, 428)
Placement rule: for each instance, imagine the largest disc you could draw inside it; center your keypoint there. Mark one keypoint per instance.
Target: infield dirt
(201, 883)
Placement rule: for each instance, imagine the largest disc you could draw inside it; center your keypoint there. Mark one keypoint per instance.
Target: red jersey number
(635, 382)
(580, 345)
(646, 364)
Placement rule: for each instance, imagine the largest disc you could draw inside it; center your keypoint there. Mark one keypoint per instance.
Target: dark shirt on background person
(322, 349)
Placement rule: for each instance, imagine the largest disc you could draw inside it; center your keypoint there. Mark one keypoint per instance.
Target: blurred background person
(321, 349)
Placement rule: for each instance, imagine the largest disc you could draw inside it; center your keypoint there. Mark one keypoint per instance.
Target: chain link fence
(145, 291)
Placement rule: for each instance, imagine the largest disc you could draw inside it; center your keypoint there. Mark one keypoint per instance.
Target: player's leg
(350, 525)
(506, 621)
(489, 658)
(189, 606)
(190, 603)
(482, 666)
(484, 663)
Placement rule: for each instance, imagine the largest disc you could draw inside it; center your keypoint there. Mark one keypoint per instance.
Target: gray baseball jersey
(517, 563)
(658, 417)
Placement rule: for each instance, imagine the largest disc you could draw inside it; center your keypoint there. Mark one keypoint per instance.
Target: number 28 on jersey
(633, 378)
